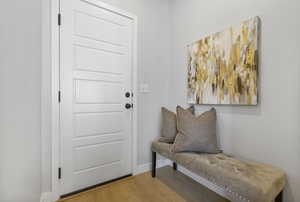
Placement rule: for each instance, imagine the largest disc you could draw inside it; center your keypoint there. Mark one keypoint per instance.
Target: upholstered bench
(242, 181)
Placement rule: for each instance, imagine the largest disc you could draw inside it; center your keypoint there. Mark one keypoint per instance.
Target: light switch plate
(144, 88)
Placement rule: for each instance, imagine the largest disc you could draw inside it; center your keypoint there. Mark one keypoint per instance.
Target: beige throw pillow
(196, 134)
(169, 124)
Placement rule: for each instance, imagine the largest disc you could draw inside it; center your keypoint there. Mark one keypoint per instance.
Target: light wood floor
(168, 186)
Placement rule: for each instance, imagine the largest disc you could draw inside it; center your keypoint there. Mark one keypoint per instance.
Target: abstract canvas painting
(223, 67)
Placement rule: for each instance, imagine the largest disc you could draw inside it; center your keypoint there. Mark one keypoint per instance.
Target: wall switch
(144, 88)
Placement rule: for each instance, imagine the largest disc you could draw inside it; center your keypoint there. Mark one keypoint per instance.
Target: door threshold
(93, 187)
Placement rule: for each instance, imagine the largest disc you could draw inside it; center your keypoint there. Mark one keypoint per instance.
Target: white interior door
(95, 74)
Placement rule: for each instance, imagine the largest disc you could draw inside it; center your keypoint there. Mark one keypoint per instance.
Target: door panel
(94, 124)
(86, 25)
(96, 59)
(98, 139)
(94, 76)
(98, 92)
(96, 155)
(109, 171)
(96, 71)
(84, 108)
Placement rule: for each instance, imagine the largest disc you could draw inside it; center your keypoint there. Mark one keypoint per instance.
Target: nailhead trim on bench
(232, 193)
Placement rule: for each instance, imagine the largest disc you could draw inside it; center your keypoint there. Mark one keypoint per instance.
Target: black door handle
(128, 106)
(127, 94)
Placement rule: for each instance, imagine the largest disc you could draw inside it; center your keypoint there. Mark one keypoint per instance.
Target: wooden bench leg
(279, 198)
(153, 164)
(174, 166)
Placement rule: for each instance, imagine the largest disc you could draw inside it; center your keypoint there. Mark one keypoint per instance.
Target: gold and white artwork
(223, 67)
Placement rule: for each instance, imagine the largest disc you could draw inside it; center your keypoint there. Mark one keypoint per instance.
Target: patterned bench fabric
(243, 181)
(163, 149)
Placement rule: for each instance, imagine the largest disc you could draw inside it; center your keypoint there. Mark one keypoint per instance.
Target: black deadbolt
(128, 106)
(127, 94)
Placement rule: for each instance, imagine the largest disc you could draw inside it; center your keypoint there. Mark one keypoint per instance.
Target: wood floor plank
(168, 186)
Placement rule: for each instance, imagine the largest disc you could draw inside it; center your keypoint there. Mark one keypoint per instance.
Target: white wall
(269, 132)
(20, 100)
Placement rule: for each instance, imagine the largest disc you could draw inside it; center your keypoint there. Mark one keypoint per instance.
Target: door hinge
(59, 96)
(59, 19)
(59, 173)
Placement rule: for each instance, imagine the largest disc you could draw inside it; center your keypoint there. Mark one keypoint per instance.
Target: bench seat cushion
(242, 181)
(245, 181)
(163, 149)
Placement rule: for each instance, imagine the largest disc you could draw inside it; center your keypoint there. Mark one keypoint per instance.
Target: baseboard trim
(147, 166)
(49, 197)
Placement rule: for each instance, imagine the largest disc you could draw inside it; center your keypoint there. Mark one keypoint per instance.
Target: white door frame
(50, 48)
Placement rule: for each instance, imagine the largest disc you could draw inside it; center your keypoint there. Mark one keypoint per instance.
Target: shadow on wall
(288, 194)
